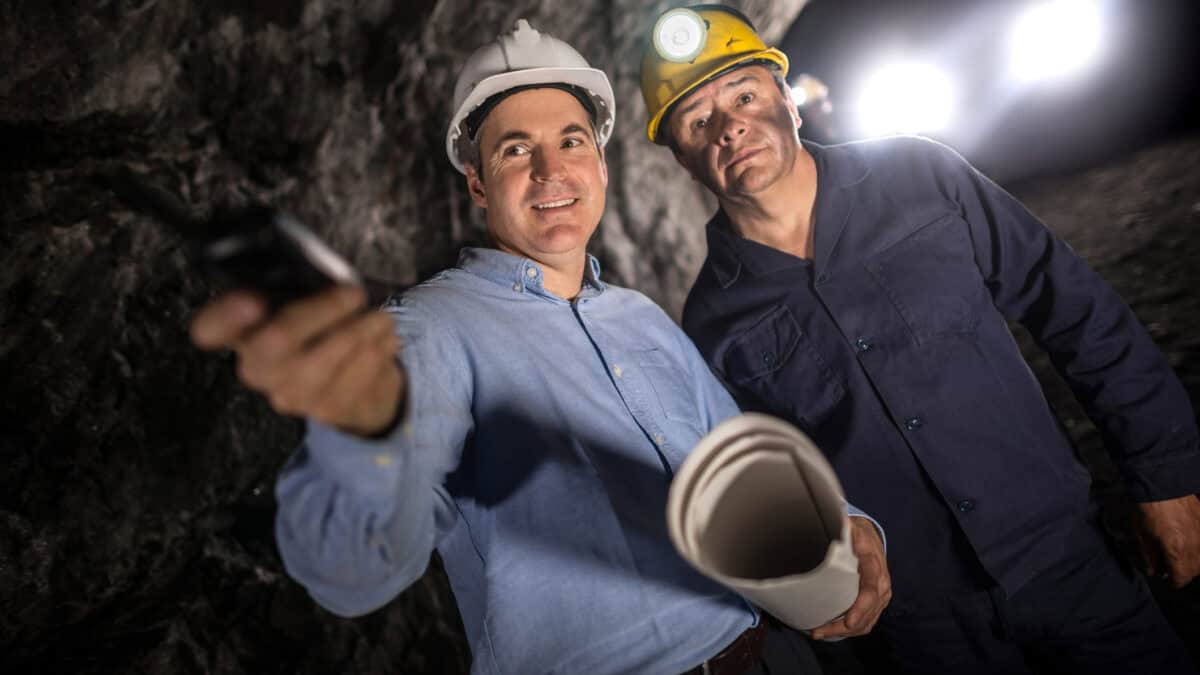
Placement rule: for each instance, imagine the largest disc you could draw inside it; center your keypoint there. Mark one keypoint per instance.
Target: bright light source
(1055, 39)
(808, 90)
(907, 98)
(679, 35)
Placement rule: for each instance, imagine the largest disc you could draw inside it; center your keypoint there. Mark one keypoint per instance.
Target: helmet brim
(594, 81)
(769, 54)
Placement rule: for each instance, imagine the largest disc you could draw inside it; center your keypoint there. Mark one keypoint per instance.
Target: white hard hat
(522, 59)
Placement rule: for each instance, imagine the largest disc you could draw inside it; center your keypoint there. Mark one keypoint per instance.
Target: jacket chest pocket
(931, 280)
(779, 366)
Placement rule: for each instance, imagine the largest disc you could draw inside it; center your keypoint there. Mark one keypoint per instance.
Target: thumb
(222, 322)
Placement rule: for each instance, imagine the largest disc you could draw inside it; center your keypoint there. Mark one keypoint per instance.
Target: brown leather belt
(739, 657)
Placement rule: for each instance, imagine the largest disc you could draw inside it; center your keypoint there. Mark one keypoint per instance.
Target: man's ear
(475, 187)
(794, 111)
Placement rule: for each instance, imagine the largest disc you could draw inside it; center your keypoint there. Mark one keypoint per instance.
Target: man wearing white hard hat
(863, 292)
(514, 412)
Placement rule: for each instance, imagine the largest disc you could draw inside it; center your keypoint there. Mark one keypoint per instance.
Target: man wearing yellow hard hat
(861, 291)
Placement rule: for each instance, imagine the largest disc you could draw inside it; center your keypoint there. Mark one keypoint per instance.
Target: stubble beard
(759, 178)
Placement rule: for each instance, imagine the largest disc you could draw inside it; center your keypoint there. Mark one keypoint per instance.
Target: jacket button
(768, 358)
(913, 423)
(863, 345)
(966, 506)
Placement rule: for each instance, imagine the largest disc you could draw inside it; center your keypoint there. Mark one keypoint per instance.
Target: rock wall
(136, 484)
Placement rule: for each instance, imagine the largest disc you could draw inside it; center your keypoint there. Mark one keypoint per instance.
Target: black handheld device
(256, 247)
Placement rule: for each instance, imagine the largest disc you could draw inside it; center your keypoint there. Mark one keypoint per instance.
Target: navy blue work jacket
(890, 348)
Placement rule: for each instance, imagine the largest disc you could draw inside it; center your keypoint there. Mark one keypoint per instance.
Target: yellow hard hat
(688, 46)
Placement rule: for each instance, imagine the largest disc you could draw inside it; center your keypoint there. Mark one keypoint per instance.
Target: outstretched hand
(874, 585)
(321, 357)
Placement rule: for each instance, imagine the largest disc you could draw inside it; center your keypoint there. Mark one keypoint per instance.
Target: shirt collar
(838, 168)
(591, 278)
(723, 249)
(522, 274)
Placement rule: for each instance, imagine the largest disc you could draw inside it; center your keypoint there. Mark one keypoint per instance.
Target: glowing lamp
(908, 98)
(679, 35)
(1056, 39)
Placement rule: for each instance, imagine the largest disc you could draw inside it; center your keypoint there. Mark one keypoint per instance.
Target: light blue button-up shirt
(537, 450)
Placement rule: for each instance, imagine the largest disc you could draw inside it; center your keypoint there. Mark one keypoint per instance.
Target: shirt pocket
(671, 384)
(931, 280)
(778, 365)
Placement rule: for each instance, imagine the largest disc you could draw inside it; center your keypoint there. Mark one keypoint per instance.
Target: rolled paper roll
(757, 508)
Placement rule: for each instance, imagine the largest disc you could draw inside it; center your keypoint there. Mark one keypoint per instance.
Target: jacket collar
(839, 167)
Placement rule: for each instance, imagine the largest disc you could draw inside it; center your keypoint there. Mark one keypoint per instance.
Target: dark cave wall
(136, 485)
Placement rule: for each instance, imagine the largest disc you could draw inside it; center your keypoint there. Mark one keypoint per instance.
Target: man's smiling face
(541, 178)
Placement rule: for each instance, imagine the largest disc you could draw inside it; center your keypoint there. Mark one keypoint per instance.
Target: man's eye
(514, 151)
(572, 143)
(700, 123)
(745, 98)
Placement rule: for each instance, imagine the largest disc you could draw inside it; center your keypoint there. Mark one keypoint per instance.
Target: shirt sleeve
(855, 512)
(358, 518)
(1092, 337)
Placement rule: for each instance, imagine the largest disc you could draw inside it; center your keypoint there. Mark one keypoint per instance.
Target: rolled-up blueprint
(757, 508)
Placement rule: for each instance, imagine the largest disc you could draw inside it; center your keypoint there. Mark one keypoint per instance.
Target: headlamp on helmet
(679, 35)
(691, 45)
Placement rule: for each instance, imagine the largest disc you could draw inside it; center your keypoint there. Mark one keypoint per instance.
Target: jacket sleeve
(1092, 337)
(358, 519)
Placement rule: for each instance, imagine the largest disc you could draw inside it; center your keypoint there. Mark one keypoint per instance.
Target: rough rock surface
(135, 488)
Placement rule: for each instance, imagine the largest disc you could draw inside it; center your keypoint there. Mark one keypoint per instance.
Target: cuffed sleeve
(855, 512)
(358, 518)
